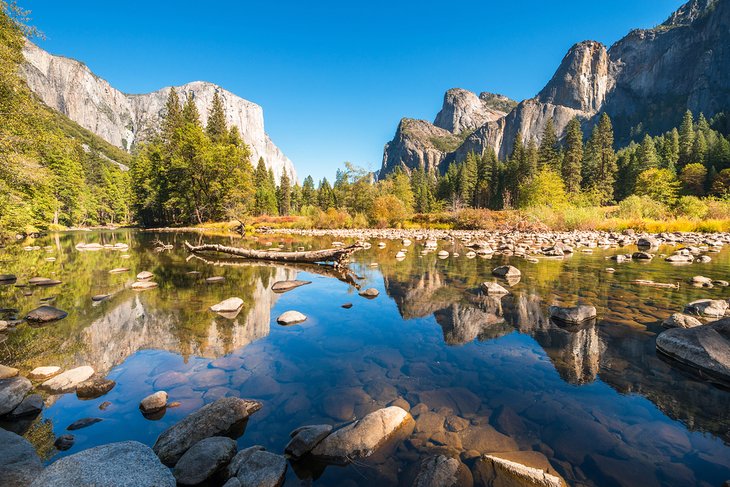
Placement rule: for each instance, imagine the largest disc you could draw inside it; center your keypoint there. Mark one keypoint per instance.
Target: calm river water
(596, 400)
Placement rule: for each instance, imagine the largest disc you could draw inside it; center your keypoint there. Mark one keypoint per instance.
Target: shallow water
(596, 400)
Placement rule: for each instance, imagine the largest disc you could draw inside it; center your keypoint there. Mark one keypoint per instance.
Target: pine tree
(468, 179)
(699, 148)
(601, 167)
(284, 195)
(172, 119)
(190, 112)
(309, 193)
(265, 196)
(686, 139)
(325, 195)
(531, 161)
(549, 152)
(670, 150)
(573, 157)
(647, 154)
(216, 128)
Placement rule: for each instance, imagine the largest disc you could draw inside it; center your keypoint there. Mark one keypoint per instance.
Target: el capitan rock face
(70, 87)
(649, 77)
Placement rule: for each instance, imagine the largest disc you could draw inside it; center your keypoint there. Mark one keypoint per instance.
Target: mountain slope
(645, 82)
(124, 120)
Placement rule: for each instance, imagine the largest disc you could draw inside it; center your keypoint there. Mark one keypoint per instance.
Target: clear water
(597, 400)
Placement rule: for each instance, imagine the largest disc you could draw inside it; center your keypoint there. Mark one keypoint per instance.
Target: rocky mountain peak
(582, 80)
(689, 12)
(464, 111)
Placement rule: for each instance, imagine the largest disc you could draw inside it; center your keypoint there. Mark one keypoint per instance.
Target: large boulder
(45, 314)
(516, 469)
(704, 348)
(12, 392)
(679, 320)
(361, 438)
(443, 471)
(304, 439)
(204, 459)
(284, 286)
(714, 308)
(94, 387)
(124, 464)
(220, 418)
(261, 468)
(575, 314)
(68, 380)
(506, 271)
(291, 318)
(19, 463)
(493, 289)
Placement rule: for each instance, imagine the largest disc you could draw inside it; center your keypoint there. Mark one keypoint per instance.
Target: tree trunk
(336, 256)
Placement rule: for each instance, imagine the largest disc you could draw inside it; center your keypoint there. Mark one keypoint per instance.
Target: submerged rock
(83, 423)
(144, 285)
(443, 471)
(506, 271)
(145, 276)
(19, 463)
(361, 438)
(67, 381)
(228, 305)
(304, 439)
(519, 468)
(124, 464)
(575, 314)
(204, 459)
(679, 320)
(284, 286)
(704, 348)
(45, 314)
(291, 317)
(370, 293)
(12, 392)
(64, 442)
(94, 387)
(219, 418)
(493, 289)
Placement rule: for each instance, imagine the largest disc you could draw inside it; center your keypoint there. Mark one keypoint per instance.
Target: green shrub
(691, 207)
(641, 207)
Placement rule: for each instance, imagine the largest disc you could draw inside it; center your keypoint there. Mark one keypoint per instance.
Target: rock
(7, 372)
(229, 305)
(204, 459)
(12, 392)
(41, 373)
(701, 281)
(94, 387)
(443, 471)
(153, 403)
(443, 254)
(103, 406)
(83, 423)
(145, 276)
(493, 289)
(705, 348)
(64, 442)
(284, 286)
(100, 297)
(144, 285)
(347, 305)
(506, 271)
(124, 464)
(708, 307)
(45, 314)
(43, 282)
(262, 469)
(219, 418)
(239, 459)
(30, 406)
(519, 468)
(575, 314)
(679, 258)
(119, 270)
(370, 293)
(679, 320)
(215, 279)
(647, 242)
(304, 439)
(68, 380)
(291, 318)
(19, 463)
(361, 438)
(7, 278)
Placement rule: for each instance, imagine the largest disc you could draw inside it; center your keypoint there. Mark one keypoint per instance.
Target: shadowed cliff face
(68, 86)
(650, 77)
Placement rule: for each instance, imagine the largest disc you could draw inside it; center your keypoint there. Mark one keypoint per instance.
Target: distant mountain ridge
(644, 82)
(124, 120)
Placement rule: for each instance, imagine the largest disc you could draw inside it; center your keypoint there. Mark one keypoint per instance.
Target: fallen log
(336, 256)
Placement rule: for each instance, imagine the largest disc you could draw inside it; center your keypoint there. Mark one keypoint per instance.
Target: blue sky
(334, 78)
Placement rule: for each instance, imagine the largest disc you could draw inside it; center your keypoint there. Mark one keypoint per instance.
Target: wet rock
(144, 285)
(519, 468)
(64, 442)
(215, 279)
(707, 307)
(679, 320)
(239, 459)
(647, 242)
(262, 469)
(701, 281)
(679, 258)
(304, 439)
(30, 406)
(347, 305)
(103, 406)
(19, 463)
(290, 318)
(642, 256)
(119, 270)
(233, 482)
(204, 459)
(45, 314)
(361, 438)
(43, 282)
(486, 439)
(575, 314)
(12, 392)
(284, 286)
(153, 403)
(229, 305)
(705, 348)
(7, 372)
(229, 363)
(124, 464)
(42, 373)
(68, 380)
(704, 259)
(443, 471)
(170, 379)
(219, 418)
(506, 271)
(99, 297)
(145, 276)
(370, 293)
(7, 278)
(94, 387)
(493, 289)
(83, 423)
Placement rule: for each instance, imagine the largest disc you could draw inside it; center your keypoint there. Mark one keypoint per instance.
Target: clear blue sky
(334, 78)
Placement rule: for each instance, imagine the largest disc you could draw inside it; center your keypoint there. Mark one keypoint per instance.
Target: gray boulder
(714, 308)
(68, 380)
(518, 468)
(240, 458)
(506, 271)
(204, 459)
(262, 469)
(575, 314)
(45, 314)
(219, 418)
(704, 348)
(31, 405)
(361, 438)
(19, 463)
(443, 471)
(12, 392)
(679, 320)
(493, 289)
(124, 464)
(304, 439)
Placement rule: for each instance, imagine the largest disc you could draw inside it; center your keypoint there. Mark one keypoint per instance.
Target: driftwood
(336, 256)
(341, 273)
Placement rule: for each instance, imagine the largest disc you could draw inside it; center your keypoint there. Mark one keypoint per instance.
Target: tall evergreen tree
(670, 150)
(284, 195)
(699, 148)
(325, 195)
(468, 179)
(309, 192)
(172, 119)
(647, 154)
(549, 152)
(216, 127)
(265, 196)
(601, 167)
(573, 157)
(190, 112)
(686, 139)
